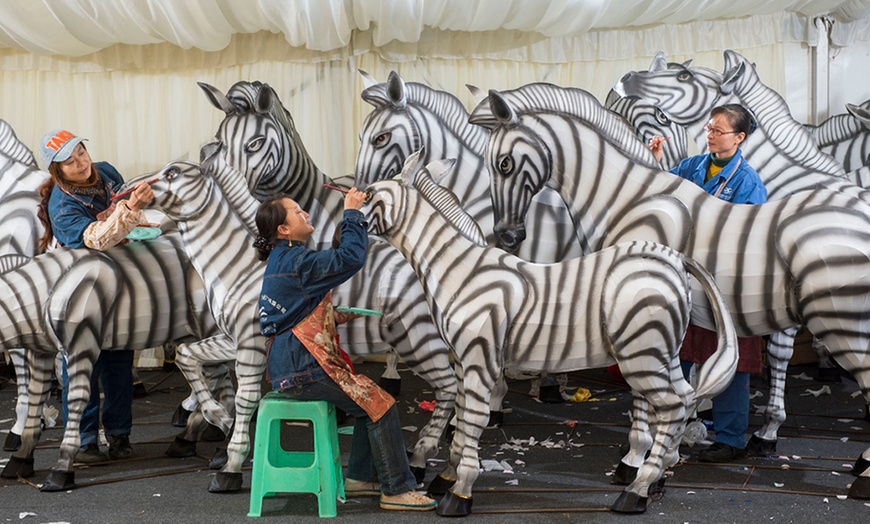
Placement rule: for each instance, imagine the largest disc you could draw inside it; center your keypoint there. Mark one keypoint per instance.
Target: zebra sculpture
(846, 137)
(258, 139)
(630, 303)
(82, 301)
(648, 120)
(804, 259)
(409, 117)
(784, 152)
(19, 181)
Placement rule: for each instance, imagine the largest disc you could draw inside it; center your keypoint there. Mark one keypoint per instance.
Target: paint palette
(359, 311)
(144, 233)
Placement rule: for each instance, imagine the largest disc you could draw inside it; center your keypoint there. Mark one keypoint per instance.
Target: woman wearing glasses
(725, 174)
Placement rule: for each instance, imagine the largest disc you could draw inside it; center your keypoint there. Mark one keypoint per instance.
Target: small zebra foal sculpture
(630, 304)
(801, 260)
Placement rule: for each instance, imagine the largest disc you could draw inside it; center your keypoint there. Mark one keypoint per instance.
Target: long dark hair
(270, 215)
(44, 191)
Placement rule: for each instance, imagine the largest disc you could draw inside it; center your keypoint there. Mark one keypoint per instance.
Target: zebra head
(393, 202)
(255, 135)
(389, 133)
(518, 165)
(685, 93)
(182, 191)
(650, 120)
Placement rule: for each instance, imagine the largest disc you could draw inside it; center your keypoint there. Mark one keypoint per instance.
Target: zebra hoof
(59, 481)
(624, 474)
(212, 433)
(393, 386)
(219, 459)
(629, 502)
(419, 474)
(496, 419)
(452, 505)
(226, 482)
(439, 486)
(181, 448)
(18, 467)
(657, 489)
(179, 418)
(12, 442)
(860, 466)
(759, 447)
(860, 489)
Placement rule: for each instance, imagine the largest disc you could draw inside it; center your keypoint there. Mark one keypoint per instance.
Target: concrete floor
(562, 475)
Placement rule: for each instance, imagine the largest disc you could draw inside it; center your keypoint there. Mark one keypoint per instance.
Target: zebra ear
(396, 91)
(730, 78)
(368, 80)
(264, 99)
(860, 113)
(476, 93)
(217, 99)
(659, 63)
(687, 63)
(439, 169)
(501, 110)
(413, 164)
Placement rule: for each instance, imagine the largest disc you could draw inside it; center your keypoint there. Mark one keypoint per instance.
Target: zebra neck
(219, 247)
(238, 196)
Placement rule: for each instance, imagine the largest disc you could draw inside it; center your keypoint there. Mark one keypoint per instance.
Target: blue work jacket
(744, 187)
(296, 280)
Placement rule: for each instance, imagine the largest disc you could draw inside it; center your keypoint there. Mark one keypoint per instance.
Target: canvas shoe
(361, 488)
(119, 447)
(90, 454)
(408, 501)
(720, 452)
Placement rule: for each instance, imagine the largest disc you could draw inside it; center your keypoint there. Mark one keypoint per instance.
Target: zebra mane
(442, 199)
(443, 105)
(549, 98)
(13, 148)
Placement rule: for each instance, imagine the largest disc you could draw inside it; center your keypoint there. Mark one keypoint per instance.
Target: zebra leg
(80, 365)
(40, 369)
(221, 388)
(390, 381)
(445, 480)
(779, 351)
(668, 395)
(639, 439)
(473, 414)
(22, 377)
(250, 365)
(408, 328)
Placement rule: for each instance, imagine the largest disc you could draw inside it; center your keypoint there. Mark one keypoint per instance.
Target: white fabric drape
(123, 73)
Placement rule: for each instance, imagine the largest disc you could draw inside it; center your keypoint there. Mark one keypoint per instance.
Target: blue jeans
(377, 452)
(730, 409)
(114, 370)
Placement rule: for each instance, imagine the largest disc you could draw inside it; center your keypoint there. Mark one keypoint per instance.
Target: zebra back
(846, 137)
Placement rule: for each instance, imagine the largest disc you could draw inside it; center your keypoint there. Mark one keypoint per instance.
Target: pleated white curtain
(139, 105)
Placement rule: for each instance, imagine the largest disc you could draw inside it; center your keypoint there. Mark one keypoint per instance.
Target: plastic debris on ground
(581, 395)
(427, 405)
(824, 390)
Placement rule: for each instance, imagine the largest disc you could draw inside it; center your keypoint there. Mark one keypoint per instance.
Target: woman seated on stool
(303, 360)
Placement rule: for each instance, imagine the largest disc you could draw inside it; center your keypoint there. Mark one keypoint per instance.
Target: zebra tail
(718, 371)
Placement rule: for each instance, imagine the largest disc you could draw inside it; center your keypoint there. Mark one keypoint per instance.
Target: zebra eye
(255, 145)
(382, 139)
(662, 118)
(506, 165)
(683, 76)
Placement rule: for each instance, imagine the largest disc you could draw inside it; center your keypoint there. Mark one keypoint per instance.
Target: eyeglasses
(716, 133)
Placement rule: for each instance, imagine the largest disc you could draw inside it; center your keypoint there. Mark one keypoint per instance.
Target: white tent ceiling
(80, 27)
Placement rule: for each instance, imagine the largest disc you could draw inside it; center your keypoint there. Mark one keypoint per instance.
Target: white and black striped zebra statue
(800, 260)
(629, 304)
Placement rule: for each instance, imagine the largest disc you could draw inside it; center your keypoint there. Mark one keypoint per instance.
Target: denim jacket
(71, 215)
(296, 280)
(745, 187)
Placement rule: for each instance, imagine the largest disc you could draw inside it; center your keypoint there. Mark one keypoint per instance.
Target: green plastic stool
(278, 471)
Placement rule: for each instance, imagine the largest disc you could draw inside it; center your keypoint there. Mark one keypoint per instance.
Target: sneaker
(408, 501)
(361, 488)
(90, 454)
(119, 447)
(720, 452)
